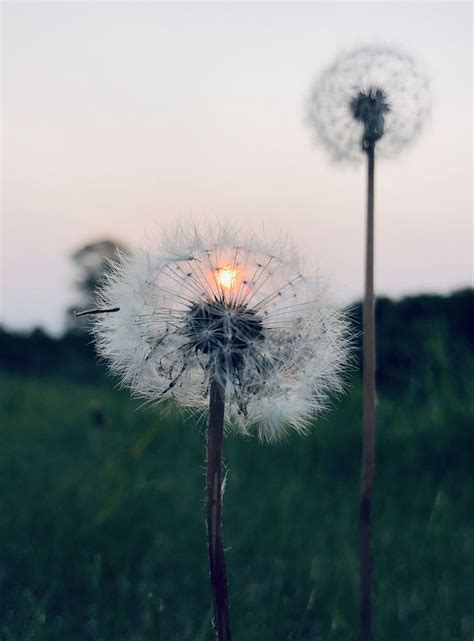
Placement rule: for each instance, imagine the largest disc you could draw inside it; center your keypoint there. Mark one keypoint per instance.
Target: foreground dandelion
(232, 325)
(372, 99)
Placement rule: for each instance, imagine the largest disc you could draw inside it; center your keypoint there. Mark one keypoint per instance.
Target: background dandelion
(371, 99)
(217, 321)
(369, 95)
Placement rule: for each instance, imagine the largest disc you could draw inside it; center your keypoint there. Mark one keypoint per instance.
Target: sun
(226, 277)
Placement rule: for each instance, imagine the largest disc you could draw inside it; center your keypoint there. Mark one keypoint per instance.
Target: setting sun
(226, 277)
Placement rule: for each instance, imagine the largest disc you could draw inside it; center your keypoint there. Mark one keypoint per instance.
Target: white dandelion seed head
(204, 305)
(370, 96)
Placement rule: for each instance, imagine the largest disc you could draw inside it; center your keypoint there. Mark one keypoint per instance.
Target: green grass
(103, 538)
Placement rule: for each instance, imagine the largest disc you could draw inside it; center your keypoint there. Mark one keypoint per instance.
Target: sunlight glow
(226, 277)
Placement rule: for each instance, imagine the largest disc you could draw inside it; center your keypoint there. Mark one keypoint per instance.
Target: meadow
(102, 512)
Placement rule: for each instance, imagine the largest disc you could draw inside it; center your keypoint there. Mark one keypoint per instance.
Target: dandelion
(227, 325)
(371, 101)
(369, 96)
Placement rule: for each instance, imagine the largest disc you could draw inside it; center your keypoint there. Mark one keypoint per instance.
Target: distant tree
(91, 262)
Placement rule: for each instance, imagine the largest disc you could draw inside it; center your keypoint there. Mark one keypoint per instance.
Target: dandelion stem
(368, 437)
(215, 438)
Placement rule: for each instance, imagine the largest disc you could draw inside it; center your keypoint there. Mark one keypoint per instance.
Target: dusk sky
(119, 117)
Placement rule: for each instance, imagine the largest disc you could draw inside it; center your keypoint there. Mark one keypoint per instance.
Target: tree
(91, 262)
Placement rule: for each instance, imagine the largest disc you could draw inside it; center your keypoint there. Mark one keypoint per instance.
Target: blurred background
(118, 118)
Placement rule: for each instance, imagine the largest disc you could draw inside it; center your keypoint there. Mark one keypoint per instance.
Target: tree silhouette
(91, 262)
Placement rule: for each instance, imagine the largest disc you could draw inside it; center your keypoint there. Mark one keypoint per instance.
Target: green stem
(215, 438)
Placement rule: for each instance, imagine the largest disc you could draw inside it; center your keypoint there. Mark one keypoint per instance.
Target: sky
(118, 118)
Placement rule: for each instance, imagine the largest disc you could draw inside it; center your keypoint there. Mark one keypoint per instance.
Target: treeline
(423, 343)
(36, 353)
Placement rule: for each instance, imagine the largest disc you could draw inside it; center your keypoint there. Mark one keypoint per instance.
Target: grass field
(102, 522)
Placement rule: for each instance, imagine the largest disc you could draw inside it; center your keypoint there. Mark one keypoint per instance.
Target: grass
(102, 522)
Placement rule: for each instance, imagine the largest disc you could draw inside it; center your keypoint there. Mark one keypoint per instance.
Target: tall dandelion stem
(368, 437)
(215, 438)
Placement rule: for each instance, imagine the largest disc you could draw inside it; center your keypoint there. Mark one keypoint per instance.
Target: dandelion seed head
(370, 96)
(204, 305)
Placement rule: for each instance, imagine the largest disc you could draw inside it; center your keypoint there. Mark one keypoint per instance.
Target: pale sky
(118, 117)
